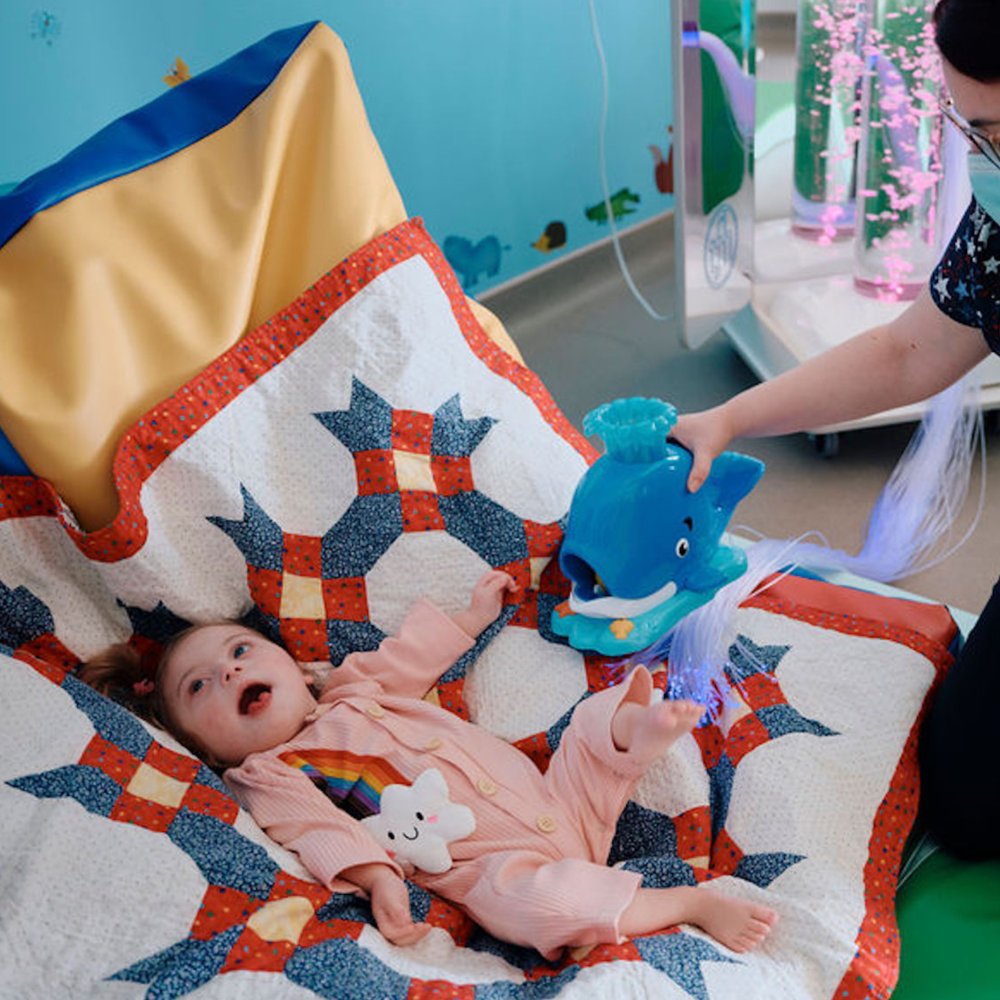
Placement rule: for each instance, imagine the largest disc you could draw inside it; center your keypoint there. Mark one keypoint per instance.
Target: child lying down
(370, 784)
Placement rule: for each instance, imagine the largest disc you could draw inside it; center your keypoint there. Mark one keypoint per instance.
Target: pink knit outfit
(533, 871)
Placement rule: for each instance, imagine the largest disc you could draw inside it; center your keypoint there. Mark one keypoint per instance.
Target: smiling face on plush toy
(416, 822)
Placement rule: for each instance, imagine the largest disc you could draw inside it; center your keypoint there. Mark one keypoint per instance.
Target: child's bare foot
(649, 730)
(739, 924)
(736, 923)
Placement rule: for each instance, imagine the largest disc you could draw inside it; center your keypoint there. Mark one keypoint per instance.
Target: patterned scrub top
(965, 284)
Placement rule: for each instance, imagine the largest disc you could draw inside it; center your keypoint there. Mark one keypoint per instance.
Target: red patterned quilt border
(927, 629)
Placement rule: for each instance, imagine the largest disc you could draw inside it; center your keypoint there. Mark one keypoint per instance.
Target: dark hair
(129, 676)
(967, 33)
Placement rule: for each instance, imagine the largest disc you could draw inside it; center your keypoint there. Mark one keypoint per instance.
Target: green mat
(949, 924)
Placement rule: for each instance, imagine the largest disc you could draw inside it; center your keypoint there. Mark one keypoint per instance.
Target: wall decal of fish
(179, 73)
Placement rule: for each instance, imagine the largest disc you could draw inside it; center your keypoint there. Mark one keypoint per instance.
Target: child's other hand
(390, 902)
(487, 595)
(486, 601)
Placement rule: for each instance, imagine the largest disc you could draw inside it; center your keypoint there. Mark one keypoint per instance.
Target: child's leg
(592, 774)
(529, 898)
(737, 923)
(540, 901)
(631, 725)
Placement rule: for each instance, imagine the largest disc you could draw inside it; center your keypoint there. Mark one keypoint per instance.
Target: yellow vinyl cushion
(114, 298)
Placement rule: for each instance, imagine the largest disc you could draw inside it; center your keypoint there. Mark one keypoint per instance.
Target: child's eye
(241, 650)
(196, 686)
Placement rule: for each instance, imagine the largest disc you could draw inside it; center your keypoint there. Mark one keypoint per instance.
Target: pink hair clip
(143, 688)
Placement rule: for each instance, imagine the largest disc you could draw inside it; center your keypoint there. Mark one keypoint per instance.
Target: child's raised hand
(486, 601)
(487, 595)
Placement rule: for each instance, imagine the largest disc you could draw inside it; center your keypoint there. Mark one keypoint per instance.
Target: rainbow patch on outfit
(354, 782)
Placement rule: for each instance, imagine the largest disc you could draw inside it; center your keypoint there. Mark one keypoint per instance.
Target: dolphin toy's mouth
(593, 618)
(620, 607)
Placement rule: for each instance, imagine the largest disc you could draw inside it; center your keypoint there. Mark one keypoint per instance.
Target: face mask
(985, 179)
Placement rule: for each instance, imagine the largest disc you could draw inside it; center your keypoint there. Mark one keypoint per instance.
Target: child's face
(234, 693)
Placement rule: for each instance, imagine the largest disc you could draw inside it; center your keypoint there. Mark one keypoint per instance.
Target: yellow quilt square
(413, 472)
(302, 597)
(148, 783)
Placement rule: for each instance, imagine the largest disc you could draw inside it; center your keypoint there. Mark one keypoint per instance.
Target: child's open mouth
(254, 699)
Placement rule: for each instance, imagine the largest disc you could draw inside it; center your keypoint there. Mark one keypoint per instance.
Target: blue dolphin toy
(640, 550)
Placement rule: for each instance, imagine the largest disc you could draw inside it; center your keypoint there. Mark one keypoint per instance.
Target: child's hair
(121, 673)
(125, 675)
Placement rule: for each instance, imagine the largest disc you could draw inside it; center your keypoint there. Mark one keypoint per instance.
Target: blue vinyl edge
(11, 463)
(177, 119)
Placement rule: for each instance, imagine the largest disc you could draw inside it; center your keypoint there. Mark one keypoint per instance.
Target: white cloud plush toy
(418, 821)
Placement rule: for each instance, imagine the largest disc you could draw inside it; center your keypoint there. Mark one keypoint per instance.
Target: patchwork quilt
(366, 446)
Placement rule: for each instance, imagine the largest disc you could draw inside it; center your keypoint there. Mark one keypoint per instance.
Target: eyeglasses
(989, 147)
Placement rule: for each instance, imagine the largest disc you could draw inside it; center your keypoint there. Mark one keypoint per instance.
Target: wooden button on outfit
(375, 711)
(546, 824)
(486, 786)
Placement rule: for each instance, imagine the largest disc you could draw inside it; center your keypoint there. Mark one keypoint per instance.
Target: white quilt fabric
(368, 447)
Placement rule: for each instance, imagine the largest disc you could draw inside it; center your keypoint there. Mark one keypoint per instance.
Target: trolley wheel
(826, 445)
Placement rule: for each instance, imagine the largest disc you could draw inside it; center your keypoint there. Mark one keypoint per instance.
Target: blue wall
(487, 110)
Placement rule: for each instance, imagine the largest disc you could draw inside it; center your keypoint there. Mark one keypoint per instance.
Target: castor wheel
(826, 445)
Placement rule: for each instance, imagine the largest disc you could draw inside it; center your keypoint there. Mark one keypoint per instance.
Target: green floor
(949, 923)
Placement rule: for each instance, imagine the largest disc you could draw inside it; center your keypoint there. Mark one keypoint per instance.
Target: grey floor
(581, 330)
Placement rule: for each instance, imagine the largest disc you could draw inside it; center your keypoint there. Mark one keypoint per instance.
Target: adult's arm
(918, 354)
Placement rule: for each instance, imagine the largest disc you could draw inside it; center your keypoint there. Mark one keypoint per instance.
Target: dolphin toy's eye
(683, 547)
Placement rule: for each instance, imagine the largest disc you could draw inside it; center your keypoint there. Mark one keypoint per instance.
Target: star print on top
(965, 284)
